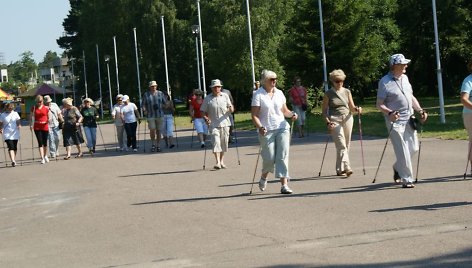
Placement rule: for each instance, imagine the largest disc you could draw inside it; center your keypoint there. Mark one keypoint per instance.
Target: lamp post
(85, 74)
(116, 64)
(250, 41)
(165, 55)
(325, 73)
(195, 32)
(99, 81)
(201, 48)
(137, 71)
(438, 64)
(73, 77)
(107, 60)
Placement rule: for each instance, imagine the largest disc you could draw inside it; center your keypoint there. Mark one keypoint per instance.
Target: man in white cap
(396, 101)
(216, 109)
(153, 105)
(55, 119)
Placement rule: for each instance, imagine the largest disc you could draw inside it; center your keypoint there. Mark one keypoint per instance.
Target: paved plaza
(163, 210)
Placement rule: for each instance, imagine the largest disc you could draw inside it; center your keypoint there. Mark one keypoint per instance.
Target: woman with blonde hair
(337, 109)
(71, 133)
(268, 112)
(39, 123)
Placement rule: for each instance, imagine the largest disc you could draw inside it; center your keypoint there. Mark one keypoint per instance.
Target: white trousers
(405, 145)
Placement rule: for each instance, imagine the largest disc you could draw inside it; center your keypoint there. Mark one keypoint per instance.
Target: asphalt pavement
(126, 209)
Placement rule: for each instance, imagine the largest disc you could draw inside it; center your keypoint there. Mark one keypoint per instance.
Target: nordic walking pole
(4, 153)
(383, 152)
(468, 157)
(175, 130)
(32, 144)
(193, 130)
(116, 139)
(236, 138)
(324, 154)
(101, 134)
(419, 155)
(360, 139)
(204, 158)
(255, 168)
(21, 154)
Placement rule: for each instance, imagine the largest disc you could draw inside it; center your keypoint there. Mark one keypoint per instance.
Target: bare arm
(392, 115)
(465, 100)
(352, 106)
(257, 122)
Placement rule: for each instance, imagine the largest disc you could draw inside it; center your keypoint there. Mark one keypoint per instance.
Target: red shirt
(196, 108)
(41, 118)
(298, 95)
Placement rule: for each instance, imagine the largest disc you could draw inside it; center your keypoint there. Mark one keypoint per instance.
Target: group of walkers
(212, 116)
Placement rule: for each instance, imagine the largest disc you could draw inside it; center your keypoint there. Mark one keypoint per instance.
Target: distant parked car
(178, 101)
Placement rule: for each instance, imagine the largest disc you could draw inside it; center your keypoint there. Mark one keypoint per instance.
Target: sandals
(408, 185)
(79, 156)
(67, 157)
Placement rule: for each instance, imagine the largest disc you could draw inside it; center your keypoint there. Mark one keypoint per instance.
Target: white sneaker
(46, 159)
(42, 161)
(135, 150)
(262, 184)
(285, 190)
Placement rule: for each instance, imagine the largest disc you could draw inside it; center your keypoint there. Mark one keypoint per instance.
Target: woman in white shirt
(268, 111)
(10, 122)
(130, 116)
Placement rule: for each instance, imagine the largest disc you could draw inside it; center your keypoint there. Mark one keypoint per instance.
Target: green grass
(373, 123)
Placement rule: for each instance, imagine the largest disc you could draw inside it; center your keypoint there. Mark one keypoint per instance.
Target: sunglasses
(338, 81)
(273, 79)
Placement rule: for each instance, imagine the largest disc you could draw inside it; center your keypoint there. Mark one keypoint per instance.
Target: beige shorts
(155, 123)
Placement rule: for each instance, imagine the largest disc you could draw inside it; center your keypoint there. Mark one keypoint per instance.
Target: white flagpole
(85, 74)
(250, 41)
(99, 81)
(201, 49)
(137, 70)
(325, 73)
(116, 64)
(438, 64)
(165, 55)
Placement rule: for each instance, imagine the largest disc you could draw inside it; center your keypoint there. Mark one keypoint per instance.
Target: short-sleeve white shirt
(128, 112)
(10, 128)
(270, 114)
(116, 113)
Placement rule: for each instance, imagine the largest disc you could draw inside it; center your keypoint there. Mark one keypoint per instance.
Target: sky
(31, 25)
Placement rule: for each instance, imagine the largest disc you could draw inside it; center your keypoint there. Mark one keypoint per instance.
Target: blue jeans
(53, 140)
(275, 147)
(91, 135)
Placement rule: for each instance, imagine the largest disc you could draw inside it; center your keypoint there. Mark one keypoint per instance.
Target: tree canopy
(359, 37)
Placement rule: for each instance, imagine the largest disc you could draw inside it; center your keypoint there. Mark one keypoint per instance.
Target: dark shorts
(72, 137)
(12, 145)
(42, 137)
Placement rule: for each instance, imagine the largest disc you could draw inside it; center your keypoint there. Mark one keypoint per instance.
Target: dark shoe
(13, 164)
(348, 172)
(408, 185)
(202, 145)
(79, 156)
(396, 177)
(158, 149)
(171, 146)
(67, 157)
(217, 166)
(153, 148)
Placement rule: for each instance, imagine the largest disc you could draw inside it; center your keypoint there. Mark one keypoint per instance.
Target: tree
(49, 60)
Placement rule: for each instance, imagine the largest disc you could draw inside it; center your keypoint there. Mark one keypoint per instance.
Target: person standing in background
(216, 109)
(55, 120)
(39, 123)
(298, 99)
(90, 114)
(120, 128)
